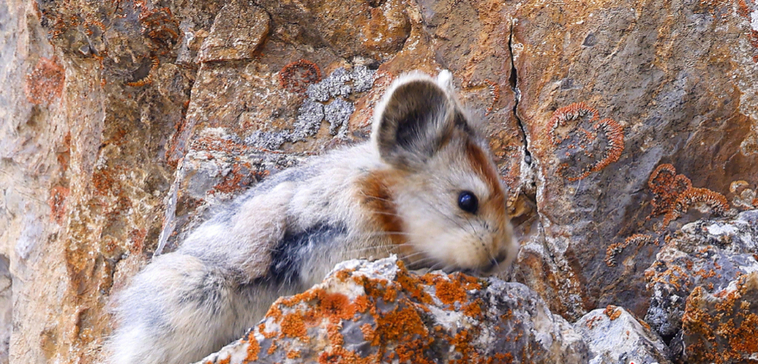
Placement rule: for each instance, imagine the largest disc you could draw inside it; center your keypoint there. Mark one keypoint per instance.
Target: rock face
(613, 123)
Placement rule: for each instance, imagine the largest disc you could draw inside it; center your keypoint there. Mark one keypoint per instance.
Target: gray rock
(615, 336)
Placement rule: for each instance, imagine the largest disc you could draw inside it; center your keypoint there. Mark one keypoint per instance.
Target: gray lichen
(338, 113)
(339, 87)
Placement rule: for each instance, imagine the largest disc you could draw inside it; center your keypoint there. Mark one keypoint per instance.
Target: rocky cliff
(614, 124)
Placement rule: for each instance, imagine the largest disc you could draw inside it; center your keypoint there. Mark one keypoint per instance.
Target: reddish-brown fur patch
(482, 165)
(375, 196)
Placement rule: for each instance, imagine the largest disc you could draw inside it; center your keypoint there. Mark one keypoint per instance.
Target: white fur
(284, 235)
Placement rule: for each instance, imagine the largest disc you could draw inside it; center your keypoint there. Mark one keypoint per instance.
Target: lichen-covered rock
(371, 312)
(708, 254)
(722, 327)
(609, 91)
(615, 336)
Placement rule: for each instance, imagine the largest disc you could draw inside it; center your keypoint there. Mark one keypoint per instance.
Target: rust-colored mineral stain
(57, 202)
(44, 84)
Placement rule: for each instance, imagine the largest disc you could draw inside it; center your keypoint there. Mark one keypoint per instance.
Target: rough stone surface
(379, 312)
(236, 33)
(723, 327)
(613, 123)
(615, 336)
(6, 310)
(706, 254)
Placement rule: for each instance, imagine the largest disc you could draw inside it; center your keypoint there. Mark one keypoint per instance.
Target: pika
(424, 187)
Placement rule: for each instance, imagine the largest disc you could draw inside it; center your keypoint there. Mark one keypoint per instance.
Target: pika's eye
(467, 202)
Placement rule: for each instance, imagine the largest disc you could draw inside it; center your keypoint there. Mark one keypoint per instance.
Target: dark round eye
(467, 202)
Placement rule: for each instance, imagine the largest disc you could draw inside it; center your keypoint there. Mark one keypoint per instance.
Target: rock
(722, 327)
(707, 254)
(650, 68)
(6, 310)
(236, 33)
(615, 336)
(379, 312)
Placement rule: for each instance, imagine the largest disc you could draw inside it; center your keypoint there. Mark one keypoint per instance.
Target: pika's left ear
(414, 119)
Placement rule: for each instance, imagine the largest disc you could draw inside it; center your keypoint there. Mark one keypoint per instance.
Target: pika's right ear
(413, 120)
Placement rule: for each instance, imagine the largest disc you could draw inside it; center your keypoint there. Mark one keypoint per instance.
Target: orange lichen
(398, 327)
(296, 76)
(615, 134)
(137, 240)
(57, 202)
(715, 201)
(615, 249)
(44, 83)
(294, 326)
(336, 305)
(565, 114)
(612, 312)
(473, 309)
(293, 354)
(666, 186)
(272, 348)
(673, 195)
(148, 79)
(253, 349)
(450, 292)
(160, 27)
(228, 146)
(592, 320)
(724, 329)
(586, 139)
(237, 179)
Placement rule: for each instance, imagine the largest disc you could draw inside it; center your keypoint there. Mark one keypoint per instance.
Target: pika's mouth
(428, 264)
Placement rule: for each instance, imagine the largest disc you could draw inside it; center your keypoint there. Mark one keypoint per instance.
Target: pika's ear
(413, 120)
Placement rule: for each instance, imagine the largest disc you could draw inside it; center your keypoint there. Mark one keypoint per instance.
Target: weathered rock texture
(614, 123)
(723, 328)
(380, 313)
(616, 336)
